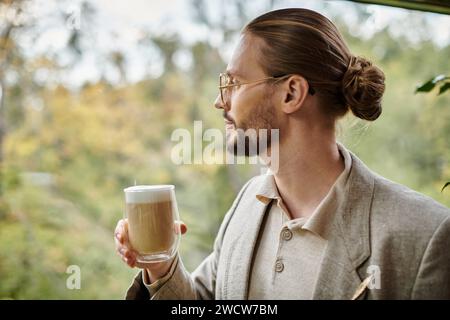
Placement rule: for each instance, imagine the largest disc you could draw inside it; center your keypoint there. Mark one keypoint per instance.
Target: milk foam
(148, 194)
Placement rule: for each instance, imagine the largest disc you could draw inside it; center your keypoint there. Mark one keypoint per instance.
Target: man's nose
(218, 102)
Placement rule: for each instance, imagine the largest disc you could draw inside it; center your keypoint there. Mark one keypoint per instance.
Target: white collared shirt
(288, 255)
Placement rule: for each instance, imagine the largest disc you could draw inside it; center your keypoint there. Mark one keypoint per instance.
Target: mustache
(228, 118)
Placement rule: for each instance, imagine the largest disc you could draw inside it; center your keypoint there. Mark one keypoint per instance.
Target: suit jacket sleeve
(433, 278)
(181, 285)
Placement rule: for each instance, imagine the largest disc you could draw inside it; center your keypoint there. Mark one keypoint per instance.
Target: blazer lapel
(349, 243)
(241, 253)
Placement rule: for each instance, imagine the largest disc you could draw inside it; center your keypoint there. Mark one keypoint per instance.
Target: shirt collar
(320, 220)
(268, 189)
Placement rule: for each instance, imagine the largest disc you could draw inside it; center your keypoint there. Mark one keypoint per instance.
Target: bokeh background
(92, 90)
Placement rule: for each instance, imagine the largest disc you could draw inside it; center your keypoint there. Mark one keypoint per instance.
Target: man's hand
(156, 270)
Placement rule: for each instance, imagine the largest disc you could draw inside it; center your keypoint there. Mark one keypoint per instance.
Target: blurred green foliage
(441, 81)
(68, 154)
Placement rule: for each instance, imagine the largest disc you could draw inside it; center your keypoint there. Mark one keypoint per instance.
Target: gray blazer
(389, 242)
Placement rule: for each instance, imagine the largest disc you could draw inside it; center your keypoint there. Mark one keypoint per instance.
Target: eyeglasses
(226, 82)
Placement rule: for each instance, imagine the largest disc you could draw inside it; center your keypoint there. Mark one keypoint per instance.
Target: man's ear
(294, 93)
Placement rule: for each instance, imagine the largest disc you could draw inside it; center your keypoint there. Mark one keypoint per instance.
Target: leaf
(444, 88)
(439, 78)
(445, 186)
(426, 87)
(430, 84)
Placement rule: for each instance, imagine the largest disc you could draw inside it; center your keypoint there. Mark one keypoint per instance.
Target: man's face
(248, 106)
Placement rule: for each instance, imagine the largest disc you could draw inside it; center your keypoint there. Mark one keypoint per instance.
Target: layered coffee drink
(152, 221)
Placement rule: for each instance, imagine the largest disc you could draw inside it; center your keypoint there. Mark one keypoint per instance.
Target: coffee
(152, 220)
(151, 226)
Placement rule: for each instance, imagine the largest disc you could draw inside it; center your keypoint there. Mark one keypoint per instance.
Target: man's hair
(304, 42)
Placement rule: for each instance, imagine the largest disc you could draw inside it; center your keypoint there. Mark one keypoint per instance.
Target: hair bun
(363, 88)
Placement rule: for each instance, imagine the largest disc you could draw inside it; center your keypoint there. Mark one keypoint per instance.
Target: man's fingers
(123, 248)
(121, 231)
(127, 255)
(118, 237)
(131, 262)
(131, 254)
(117, 243)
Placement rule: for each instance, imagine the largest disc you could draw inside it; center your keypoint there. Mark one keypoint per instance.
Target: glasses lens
(223, 81)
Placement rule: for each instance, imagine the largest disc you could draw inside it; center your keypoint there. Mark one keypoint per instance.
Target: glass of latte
(153, 221)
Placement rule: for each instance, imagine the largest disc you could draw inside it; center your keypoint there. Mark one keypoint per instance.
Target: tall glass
(153, 221)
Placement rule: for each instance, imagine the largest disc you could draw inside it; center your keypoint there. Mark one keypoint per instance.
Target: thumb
(180, 227)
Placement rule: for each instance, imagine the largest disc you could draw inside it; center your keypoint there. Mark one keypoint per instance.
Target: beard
(253, 136)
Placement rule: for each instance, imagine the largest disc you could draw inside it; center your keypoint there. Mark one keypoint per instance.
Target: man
(323, 225)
